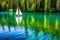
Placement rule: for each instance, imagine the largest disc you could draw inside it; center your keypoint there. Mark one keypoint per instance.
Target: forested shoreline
(30, 5)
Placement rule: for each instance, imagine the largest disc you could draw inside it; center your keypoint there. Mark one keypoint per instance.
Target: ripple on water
(20, 34)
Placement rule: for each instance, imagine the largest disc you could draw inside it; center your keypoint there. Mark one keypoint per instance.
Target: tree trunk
(25, 5)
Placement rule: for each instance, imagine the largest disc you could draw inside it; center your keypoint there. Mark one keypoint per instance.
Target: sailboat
(18, 15)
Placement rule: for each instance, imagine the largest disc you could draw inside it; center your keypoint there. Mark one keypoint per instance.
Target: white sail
(19, 14)
(17, 11)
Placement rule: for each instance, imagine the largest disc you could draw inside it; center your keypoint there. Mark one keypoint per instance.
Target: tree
(25, 5)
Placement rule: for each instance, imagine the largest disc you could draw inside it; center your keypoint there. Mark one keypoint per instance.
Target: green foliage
(29, 5)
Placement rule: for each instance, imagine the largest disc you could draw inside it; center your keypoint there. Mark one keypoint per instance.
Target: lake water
(20, 33)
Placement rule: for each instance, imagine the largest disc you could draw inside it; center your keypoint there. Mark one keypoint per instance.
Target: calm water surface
(20, 33)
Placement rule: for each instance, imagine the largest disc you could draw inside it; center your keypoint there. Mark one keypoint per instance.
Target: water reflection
(30, 28)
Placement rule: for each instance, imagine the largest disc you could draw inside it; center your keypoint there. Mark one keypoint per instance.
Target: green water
(35, 21)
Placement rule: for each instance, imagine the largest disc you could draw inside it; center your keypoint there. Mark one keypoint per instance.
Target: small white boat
(18, 15)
